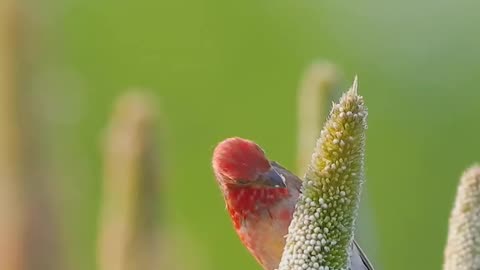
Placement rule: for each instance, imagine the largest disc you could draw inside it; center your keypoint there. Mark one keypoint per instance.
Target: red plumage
(260, 213)
(237, 158)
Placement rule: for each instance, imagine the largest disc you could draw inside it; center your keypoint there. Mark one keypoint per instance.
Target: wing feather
(359, 260)
(291, 179)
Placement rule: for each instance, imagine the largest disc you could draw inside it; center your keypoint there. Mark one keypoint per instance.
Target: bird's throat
(251, 202)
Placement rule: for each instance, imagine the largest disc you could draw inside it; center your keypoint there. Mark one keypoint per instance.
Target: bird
(260, 197)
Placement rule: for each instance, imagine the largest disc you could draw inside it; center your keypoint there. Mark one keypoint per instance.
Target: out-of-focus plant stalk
(321, 232)
(128, 232)
(28, 236)
(43, 235)
(463, 245)
(12, 206)
(319, 82)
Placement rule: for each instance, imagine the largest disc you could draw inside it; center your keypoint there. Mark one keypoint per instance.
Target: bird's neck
(243, 202)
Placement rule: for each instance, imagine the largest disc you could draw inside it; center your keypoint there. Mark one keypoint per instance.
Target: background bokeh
(232, 68)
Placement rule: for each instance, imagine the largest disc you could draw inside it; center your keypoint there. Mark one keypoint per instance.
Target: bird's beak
(272, 178)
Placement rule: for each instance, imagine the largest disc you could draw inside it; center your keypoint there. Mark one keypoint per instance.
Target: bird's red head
(247, 179)
(238, 161)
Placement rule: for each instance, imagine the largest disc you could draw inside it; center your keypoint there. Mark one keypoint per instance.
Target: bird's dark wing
(358, 259)
(291, 179)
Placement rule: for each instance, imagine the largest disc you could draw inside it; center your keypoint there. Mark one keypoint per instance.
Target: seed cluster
(322, 227)
(462, 251)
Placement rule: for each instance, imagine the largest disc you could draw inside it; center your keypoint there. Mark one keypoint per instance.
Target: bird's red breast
(251, 203)
(261, 217)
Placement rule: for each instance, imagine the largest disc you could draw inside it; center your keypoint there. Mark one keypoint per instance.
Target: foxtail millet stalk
(462, 251)
(321, 231)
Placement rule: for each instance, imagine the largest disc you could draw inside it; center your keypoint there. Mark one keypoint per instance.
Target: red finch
(260, 196)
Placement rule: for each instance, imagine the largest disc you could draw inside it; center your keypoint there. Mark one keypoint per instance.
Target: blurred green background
(221, 69)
